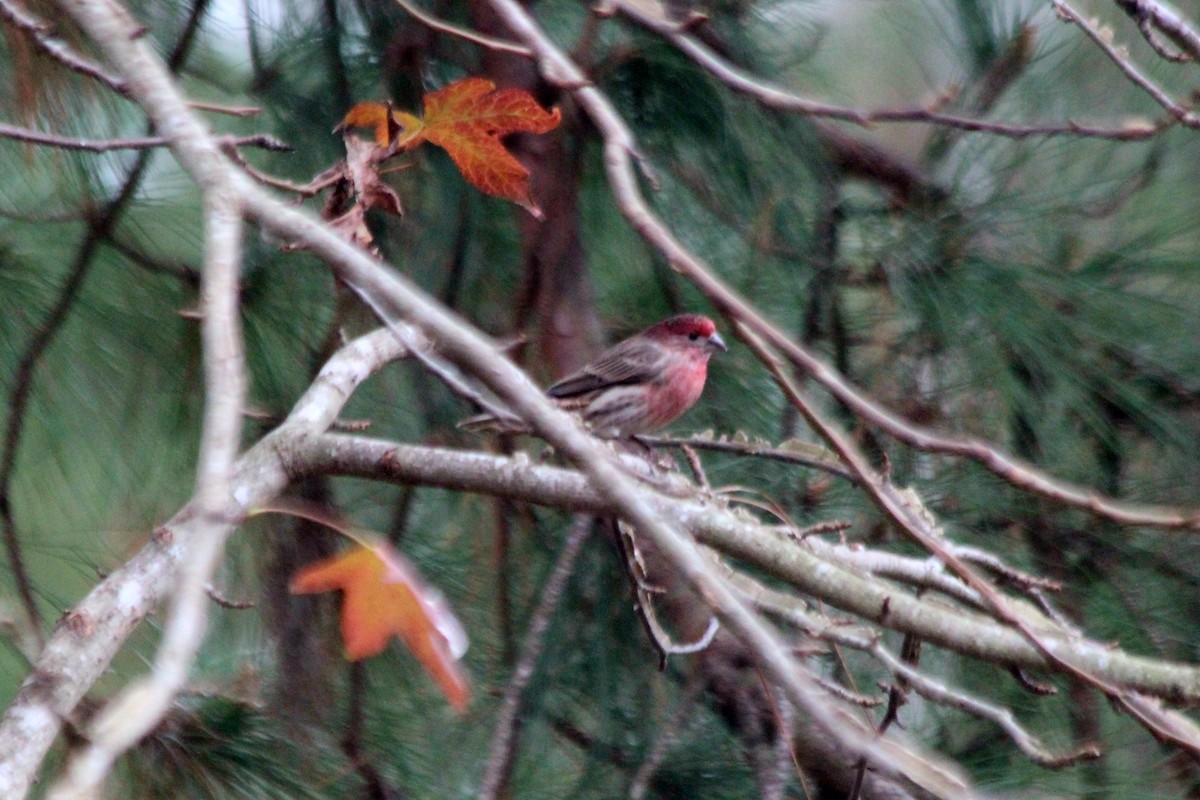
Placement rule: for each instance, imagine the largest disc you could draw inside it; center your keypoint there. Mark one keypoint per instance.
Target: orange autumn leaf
(370, 115)
(389, 124)
(383, 597)
(467, 119)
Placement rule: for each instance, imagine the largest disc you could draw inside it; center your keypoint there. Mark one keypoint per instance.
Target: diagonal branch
(773, 96)
(140, 143)
(80, 649)
(786, 607)
(215, 509)
(478, 356)
(620, 150)
(42, 34)
(480, 39)
(1153, 16)
(1184, 115)
(820, 572)
(508, 721)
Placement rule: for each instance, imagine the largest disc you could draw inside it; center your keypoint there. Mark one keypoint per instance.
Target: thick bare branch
(478, 356)
(788, 608)
(140, 706)
(817, 574)
(87, 638)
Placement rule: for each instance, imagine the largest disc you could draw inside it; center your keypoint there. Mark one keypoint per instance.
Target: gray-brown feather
(630, 362)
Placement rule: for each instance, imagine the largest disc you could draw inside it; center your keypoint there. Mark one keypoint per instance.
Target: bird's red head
(688, 329)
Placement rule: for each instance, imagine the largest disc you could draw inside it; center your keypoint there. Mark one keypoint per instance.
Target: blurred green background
(1040, 292)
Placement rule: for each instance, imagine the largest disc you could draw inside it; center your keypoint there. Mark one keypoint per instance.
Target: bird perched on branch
(636, 386)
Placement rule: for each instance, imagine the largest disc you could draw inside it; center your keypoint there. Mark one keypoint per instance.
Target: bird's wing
(632, 361)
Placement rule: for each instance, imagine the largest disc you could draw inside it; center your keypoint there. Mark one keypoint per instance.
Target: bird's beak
(717, 343)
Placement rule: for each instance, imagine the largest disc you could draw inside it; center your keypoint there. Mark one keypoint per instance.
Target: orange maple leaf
(467, 119)
(383, 597)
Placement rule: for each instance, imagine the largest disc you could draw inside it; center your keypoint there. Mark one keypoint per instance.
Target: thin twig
(799, 453)
(695, 465)
(667, 735)
(480, 39)
(42, 34)
(225, 602)
(936, 692)
(508, 720)
(899, 511)
(184, 273)
(848, 695)
(1121, 59)
(995, 564)
(789, 607)
(776, 97)
(305, 190)
(141, 704)
(260, 140)
(1152, 16)
(229, 111)
(423, 350)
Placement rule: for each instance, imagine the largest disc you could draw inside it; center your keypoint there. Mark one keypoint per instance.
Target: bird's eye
(693, 336)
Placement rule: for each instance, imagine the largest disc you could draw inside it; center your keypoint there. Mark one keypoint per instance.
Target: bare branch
(1127, 67)
(792, 452)
(225, 602)
(480, 39)
(304, 190)
(143, 703)
(619, 150)
(423, 351)
(766, 548)
(41, 33)
(141, 143)
(1152, 17)
(504, 740)
(229, 111)
(80, 649)
(939, 693)
(770, 95)
(1030, 745)
(563, 431)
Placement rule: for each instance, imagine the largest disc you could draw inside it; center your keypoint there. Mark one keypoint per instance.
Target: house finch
(636, 386)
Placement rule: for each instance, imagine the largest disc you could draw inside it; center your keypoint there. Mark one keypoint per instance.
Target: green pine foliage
(1043, 297)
